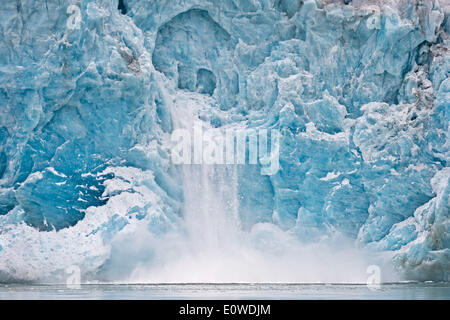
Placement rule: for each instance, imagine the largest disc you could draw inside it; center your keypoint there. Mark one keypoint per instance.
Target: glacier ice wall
(359, 90)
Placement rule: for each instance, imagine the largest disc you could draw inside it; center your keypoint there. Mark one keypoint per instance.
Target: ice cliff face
(359, 90)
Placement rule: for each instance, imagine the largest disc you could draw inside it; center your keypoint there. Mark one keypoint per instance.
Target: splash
(215, 248)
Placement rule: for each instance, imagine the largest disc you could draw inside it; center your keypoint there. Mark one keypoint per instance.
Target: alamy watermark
(227, 147)
(374, 280)
(73, 280)
(74, 20)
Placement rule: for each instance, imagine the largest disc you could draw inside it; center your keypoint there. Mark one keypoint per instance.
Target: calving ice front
(227, 146)
(341, 105)
(233, 309)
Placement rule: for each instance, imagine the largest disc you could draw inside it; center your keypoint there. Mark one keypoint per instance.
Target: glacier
(89, 96)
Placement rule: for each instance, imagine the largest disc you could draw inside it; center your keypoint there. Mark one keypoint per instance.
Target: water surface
(435, 290)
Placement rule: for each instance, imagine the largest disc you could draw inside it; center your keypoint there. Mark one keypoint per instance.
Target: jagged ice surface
(360, 93)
